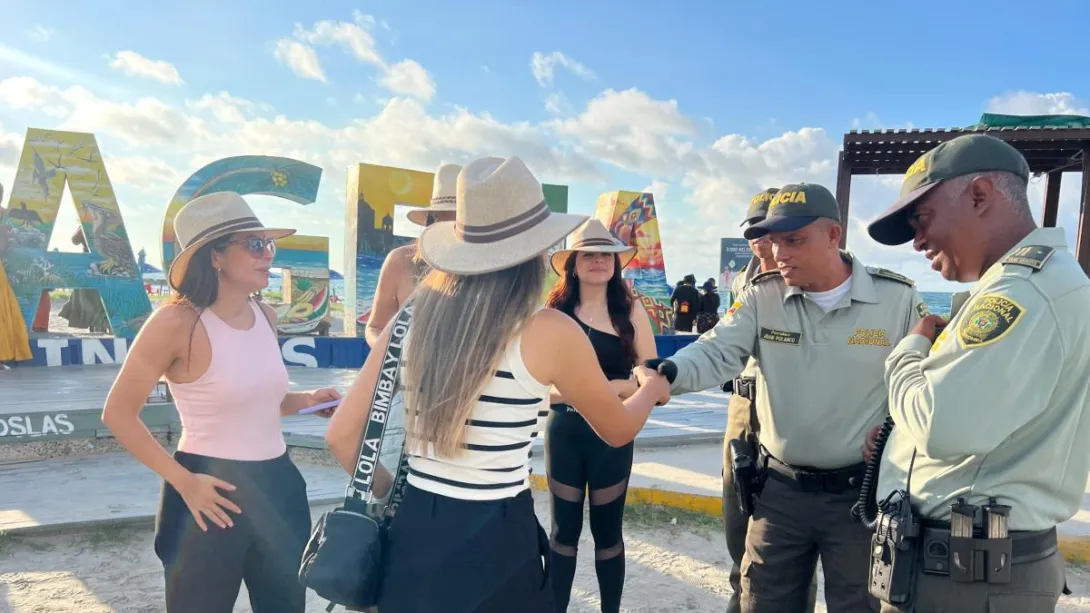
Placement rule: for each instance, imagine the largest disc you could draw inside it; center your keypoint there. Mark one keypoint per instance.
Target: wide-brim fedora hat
(502, 220)
(208, 217)
(592, 237)
(443, 194)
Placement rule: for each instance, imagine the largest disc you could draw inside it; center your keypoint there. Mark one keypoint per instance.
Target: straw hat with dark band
(502, 221)
(592, 237)
(443, 196)
(208, 217)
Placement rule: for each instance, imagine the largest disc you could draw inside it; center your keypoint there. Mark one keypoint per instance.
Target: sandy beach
(675, 563)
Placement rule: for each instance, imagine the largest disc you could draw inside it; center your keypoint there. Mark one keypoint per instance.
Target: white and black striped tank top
(507, 418)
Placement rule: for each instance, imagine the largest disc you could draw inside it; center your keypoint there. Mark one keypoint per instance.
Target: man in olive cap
(820, 331)
(992, 408)
(741, 422)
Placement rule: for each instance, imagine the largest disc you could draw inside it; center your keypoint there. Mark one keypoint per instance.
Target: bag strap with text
(389, 381)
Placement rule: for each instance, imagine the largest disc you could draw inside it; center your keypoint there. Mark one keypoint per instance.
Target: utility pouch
(894, 551)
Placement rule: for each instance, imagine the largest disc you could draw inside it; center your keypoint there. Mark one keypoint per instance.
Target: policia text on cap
(991, 443)
(820, 331)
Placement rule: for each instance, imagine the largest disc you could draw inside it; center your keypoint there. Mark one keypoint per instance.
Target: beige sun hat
(595, 238)
(208, 217)
(443, 196)
(502, 221)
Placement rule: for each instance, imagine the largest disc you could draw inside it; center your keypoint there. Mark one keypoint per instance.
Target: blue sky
(704, 105)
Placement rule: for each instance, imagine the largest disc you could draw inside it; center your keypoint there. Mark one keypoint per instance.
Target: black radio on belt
(894, 548)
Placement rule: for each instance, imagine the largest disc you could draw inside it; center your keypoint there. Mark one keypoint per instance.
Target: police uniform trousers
(1035, 587)
(790, 528)
(740, 420)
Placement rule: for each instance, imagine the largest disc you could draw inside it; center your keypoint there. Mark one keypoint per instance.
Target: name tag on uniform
(780, 336)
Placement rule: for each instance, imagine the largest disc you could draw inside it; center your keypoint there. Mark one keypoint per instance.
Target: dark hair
(200, 285)
(564, 297)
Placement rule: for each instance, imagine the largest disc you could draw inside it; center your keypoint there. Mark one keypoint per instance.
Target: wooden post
(1052, 199)
(843, 194)
(1082, 241)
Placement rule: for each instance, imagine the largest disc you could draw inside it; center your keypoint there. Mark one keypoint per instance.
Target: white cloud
(632, 131)
(133, 64)
(1030, 103)
(408, 77)
(556, 103)
(224, 107)
(41, 33)
(302, 59)
(544, 67)
(150, 175)
(351, 37)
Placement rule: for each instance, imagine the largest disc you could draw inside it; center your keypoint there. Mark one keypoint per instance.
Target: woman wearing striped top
(480, 357)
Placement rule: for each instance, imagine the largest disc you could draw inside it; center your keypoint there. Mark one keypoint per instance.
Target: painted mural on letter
(50, 160)
(304, 259)
(632, 218)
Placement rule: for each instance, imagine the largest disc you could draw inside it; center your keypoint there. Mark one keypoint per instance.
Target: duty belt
(1025, 547)
(809, 479)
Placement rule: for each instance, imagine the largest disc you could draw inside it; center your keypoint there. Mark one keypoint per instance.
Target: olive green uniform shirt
(998, 405)
(820, 385)
(737, 286)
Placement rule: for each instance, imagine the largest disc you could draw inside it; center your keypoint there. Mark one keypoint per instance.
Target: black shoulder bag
(343, 558)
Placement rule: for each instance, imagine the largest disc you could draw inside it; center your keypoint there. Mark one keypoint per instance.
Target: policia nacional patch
(992, 317)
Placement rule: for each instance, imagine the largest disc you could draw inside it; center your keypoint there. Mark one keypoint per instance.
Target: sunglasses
(256, 246)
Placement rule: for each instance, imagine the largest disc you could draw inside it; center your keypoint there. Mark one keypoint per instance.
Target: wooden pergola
(1050, 151)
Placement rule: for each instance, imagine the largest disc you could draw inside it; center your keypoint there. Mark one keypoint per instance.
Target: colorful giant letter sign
(632, 218)
(373, 192)
(51, 160)
(304, 259)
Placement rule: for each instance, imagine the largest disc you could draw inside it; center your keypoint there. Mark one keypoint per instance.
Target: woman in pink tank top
(233, 507)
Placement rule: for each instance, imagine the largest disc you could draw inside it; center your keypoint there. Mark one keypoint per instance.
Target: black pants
(204, 570)
(576, 460)
(465, 556)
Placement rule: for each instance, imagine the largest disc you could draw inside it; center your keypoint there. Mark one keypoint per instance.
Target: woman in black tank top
(592, 292)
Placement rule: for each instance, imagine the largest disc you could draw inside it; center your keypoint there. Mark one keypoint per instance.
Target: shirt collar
(862, 289)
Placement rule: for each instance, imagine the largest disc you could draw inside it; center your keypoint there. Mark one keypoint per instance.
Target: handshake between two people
(657, 375)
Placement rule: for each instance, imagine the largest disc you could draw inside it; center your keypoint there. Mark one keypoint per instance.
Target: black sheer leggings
(577, 460)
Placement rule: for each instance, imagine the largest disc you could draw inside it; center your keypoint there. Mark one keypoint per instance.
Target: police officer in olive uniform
(992, 410)
(820, 331)
(741, 423)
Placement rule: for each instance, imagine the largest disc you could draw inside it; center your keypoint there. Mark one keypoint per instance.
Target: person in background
(403, 268)
(709, 307)
(820, 331)
(685, 301)
(84, 308)
(14, 341)
(992, 407)
(480, 357)
(593, 293)
(233, 507)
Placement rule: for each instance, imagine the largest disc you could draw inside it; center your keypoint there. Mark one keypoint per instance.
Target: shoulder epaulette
(764, 276)
(1033, 256)
(889, 274)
